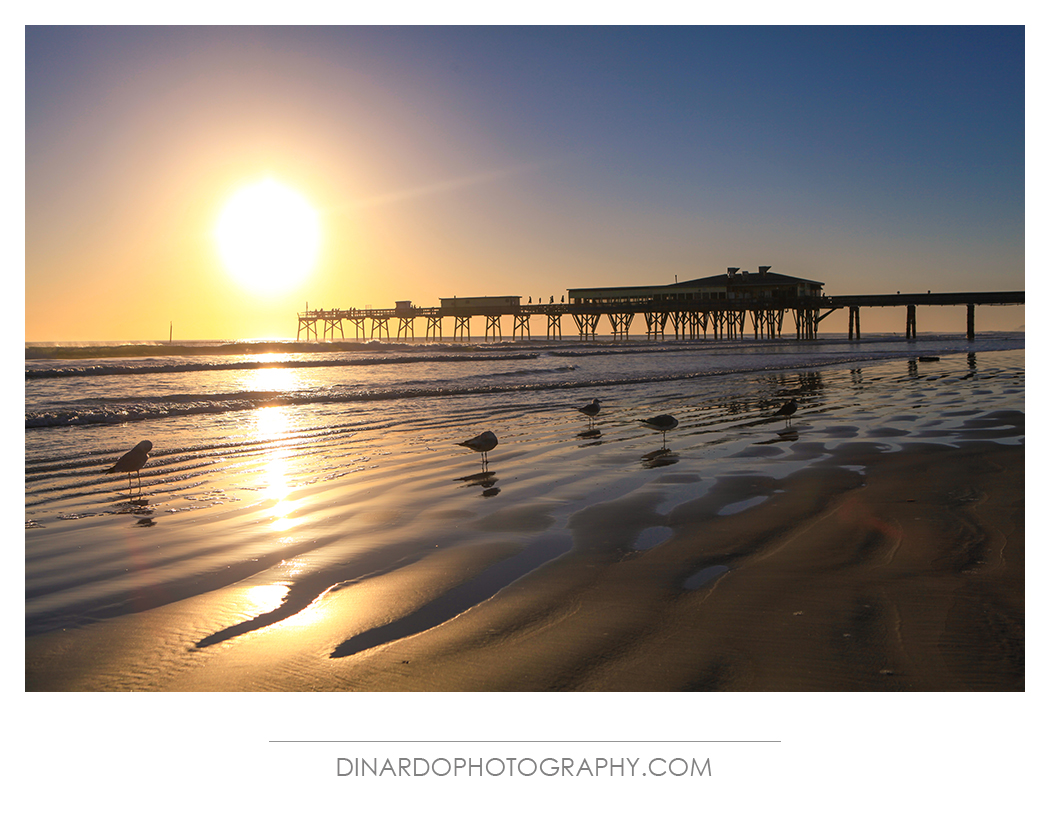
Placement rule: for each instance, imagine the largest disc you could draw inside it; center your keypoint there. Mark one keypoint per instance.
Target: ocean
(291, 429)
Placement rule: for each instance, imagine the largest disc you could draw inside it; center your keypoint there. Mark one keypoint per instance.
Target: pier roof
(745, 279)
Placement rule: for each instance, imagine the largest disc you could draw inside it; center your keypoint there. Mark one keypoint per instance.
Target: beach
(874, 541)
(679, 370)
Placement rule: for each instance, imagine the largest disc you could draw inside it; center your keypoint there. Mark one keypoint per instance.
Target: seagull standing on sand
(483, 443)
(662, 423)
(133, 461)
(786, 410)
(591, 409)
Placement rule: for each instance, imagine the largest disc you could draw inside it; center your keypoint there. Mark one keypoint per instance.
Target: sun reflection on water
(272, 423)
(273, 379)
(276, 476)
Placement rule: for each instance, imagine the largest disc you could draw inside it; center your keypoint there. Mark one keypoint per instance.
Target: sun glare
(269, 236)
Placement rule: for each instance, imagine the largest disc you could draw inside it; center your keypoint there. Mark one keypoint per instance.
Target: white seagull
(662, 423)
(483, 443)
(133, 461)
(591, 409)
(786, 410)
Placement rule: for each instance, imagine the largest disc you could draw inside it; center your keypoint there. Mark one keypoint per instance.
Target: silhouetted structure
(719, 305)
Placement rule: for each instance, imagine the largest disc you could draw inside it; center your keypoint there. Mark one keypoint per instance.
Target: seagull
(133, 461)
(786, 410)
(591, 409)
(662, 423)
(483, 443)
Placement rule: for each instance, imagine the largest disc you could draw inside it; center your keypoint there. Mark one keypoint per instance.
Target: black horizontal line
(525, 741)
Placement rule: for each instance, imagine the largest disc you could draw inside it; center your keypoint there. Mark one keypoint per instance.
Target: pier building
(736, 285)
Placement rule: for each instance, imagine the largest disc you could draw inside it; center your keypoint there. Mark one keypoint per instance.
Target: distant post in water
(969, 321)
(909, 326)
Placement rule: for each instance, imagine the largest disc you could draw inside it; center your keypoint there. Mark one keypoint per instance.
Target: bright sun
(268, 236)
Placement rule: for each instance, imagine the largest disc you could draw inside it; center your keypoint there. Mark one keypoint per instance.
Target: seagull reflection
(135, 506)
(659, 458)
(591, 434)
(483, 479)
(786, 435)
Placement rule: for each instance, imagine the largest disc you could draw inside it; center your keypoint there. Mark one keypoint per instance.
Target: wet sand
(864, 570)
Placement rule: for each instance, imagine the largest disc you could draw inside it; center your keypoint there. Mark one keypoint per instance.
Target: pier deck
(686, 319)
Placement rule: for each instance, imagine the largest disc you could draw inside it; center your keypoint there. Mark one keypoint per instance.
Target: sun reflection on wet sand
(273, 422)
(264, 597)
(277, 490)
(382, 528)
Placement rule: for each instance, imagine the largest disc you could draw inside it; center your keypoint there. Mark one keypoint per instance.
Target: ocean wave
(140, 368)
(82, 351)
(532, 372)
(58, 405)
(100, 412)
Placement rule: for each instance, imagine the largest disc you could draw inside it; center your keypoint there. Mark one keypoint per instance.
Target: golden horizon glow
(269, 236)
(426, 177)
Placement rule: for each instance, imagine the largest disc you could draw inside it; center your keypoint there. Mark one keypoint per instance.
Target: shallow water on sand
(288, 503)
(263, 519)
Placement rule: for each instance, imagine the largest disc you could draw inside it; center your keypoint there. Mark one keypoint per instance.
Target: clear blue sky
(490, 161)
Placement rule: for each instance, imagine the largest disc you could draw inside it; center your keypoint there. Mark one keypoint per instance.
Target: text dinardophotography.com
(551, 767)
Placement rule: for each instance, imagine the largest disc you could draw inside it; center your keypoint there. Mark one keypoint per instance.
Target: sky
(467, 161)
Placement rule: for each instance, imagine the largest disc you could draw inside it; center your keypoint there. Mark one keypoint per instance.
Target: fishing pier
(719, 306)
